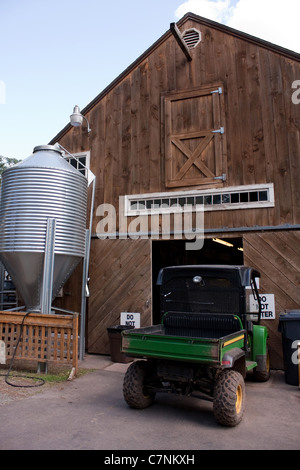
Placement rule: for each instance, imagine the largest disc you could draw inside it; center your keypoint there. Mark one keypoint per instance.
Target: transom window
(237, 197)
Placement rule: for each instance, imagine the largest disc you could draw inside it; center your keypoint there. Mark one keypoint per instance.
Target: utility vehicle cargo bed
(187, 337)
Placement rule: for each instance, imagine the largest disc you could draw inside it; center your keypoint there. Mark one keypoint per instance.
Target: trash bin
(289, 326)
(115, 343)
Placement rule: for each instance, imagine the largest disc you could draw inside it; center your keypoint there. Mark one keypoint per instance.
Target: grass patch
(61, 376)
(25, 377)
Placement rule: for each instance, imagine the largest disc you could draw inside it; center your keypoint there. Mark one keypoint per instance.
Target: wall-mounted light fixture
(76, 118)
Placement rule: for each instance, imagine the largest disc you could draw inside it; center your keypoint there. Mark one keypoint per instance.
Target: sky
(55, 54)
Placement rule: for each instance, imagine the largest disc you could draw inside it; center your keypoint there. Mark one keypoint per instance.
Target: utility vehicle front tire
(263, 375)
(134, 391)
(229, 398)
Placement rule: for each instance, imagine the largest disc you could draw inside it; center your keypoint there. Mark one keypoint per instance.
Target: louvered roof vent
(191, 37)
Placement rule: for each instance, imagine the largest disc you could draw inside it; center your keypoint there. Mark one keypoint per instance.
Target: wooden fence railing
(44, 338)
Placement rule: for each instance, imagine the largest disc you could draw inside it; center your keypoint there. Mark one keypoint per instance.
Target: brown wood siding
(261, 125)
(277, 256)
(71, 292)
(128, 142)
(120, 281)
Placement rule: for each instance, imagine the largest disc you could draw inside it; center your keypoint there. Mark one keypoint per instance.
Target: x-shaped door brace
(193, 156)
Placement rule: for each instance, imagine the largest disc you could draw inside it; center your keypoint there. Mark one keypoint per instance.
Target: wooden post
(75, 342)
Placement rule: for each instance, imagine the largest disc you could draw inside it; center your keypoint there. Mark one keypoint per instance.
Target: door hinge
(219, 91)
(219, 131)
(222, 177)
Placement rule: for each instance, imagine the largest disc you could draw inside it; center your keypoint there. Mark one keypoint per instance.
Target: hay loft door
(194, 138)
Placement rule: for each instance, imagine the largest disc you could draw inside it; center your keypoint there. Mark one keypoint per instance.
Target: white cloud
(276, 21)
(217, 11)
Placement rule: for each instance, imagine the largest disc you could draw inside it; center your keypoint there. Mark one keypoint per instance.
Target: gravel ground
(23, 386)
(9, 393)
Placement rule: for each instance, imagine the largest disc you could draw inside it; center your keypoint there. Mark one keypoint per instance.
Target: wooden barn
(204, 119)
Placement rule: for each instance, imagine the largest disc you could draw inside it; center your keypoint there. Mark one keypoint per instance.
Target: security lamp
(76, 118)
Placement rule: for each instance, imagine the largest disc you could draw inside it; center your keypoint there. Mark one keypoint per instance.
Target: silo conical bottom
(26, 271)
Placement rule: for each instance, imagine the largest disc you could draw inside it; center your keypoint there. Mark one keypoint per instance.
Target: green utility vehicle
(208, 339)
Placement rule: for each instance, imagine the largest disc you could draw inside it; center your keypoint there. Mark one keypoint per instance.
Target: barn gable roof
(202, 21)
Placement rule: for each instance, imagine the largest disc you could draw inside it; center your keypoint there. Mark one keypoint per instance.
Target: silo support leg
(48, 267)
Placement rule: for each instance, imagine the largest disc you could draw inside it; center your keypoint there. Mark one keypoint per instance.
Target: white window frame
(205, 193)
(80, 166)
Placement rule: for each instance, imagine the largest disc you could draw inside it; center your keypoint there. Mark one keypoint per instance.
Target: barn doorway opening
(173, 253)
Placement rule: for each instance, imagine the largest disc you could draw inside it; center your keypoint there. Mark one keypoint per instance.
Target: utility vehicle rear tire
(134, 386)
(229, 398)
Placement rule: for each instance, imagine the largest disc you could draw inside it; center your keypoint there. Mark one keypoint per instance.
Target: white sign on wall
(267, 306)
(131, 319)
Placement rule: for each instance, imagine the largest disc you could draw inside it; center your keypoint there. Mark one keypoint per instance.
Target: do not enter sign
(267, 306)
(130, 319)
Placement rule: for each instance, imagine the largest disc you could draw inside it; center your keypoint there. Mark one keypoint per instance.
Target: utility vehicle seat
(200, 325)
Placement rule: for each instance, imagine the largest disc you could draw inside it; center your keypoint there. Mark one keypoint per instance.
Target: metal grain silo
(42, 187)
